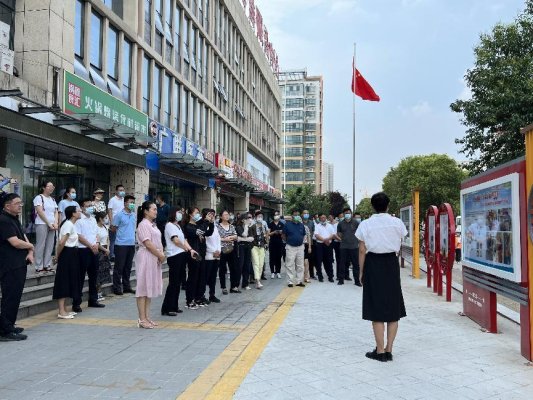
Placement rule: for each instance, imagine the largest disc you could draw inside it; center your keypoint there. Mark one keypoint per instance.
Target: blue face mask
(197, 217)
(122, 194)
(306, 216)
(348, 216)
(89, 210)
(179, 216)
(73, 196)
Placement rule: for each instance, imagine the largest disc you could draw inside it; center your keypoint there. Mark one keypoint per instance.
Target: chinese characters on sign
(84, 99)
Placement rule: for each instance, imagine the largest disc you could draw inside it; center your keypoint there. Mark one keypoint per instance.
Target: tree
(304, 198)
(501, 83)
(438, 177)
(365, 208)
(337, 202)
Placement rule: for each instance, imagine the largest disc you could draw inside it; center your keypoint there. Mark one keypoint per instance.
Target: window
(294, 139)
(157, 93)
(168, 100)
(148, 21)
(96, 41)
(294, 103)
(186, 27)
(293, 164)
(185, 111)
(309, 176)
(294, 115)
(112, 53)
(115, 5)
(310, 139)
(310, 151)
(147, 78)
(193, 47)
(311, 127)
(294, 176)
(126, 71)
(177, 40)
(309, 163)
(177, 90)
(294, 127)
(78, 28)
(294, 152)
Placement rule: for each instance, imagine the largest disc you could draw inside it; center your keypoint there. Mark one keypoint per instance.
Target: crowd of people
(198, 245)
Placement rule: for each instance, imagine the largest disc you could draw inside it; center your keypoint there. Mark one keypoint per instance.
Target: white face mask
(179, 216)
(276, 217)
(259, 219)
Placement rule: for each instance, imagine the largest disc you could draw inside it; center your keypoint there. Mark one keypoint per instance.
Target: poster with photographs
(491, 227)
(431, 233)
(406, 215)
(443, 219)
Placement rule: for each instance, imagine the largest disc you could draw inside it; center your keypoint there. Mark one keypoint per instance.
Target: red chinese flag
(362, 88)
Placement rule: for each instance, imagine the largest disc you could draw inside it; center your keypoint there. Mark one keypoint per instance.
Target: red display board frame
(431, 259)
(446, 255)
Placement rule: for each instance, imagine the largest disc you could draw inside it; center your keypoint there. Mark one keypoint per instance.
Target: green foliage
(438, 177)
(501, 83)
(365, 208)
(304, 198)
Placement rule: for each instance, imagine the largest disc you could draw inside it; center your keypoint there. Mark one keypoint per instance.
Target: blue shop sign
(163, 137)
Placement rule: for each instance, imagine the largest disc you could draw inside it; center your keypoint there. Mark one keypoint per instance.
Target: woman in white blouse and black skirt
(380, 238)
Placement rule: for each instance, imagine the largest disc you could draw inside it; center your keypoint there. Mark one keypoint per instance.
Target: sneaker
(224, 291)
(12, 337)
(214, 299)
(259, 285)
(272, 276)
(235, 290)
(201, 303)
(290, 285)
(247, 288)
(278, 275)
(68, 316)
(18, 329)
(192, 306)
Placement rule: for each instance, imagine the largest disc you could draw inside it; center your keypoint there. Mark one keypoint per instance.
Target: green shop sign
(85, 100)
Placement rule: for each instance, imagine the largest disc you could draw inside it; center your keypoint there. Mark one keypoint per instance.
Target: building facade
(171, 97)
(302, 112)
(327, 177)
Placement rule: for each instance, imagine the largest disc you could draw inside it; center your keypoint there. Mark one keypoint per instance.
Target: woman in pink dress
(148, 263)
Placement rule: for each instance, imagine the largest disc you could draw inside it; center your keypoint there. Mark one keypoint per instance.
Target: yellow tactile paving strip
(221, 379)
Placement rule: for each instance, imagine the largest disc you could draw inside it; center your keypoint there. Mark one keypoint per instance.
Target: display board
(406, 215)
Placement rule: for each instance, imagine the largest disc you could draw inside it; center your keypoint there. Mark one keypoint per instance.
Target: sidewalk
(319, 352)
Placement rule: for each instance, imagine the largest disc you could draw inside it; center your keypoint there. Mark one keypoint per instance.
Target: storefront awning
(190, 164)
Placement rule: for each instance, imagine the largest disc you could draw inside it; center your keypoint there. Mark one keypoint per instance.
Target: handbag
(228, 248)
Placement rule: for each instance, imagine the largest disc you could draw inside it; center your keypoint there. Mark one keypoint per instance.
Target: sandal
(152, 322)
(144, 324)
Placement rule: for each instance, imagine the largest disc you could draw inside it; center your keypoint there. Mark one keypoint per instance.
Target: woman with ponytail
(148, 262)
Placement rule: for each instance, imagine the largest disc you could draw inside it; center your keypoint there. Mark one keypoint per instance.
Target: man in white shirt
(115, 205)
(87, 229)
(324, 234)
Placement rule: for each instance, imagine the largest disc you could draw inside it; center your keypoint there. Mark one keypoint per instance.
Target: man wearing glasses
(16, 252)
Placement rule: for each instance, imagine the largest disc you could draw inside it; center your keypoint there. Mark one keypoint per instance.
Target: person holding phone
(275, 246)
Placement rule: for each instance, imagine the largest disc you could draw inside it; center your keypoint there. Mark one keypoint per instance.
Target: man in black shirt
(15, 252)
(275, 246)
(348, 247)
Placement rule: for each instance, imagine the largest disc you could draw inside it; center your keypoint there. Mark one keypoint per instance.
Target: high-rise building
(327, 177)
(302, 109)
(87, 87)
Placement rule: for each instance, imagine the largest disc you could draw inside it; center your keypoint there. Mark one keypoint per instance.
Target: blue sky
(413, 52)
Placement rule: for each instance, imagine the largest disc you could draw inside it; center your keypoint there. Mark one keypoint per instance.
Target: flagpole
(354, 74)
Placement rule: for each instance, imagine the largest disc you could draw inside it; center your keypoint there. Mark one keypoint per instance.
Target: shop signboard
(82, 98)
(406, 215)
(182, 145)
(224, 164)
(241, 172)
(259, 185)
(164, 137)
(491, 235)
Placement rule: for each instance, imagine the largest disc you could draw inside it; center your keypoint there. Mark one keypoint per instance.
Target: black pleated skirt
(67, 279)
(382, 290)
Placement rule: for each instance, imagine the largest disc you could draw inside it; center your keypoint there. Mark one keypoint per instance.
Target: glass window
(168, 18)
(126, 71)
(185, 111)
(177, 89)
(294, 139)
(293, 152)
(157, 93)
(294, 176)
(293, 164)
(148, 21)
(147, 78)
(96, 41)
(186, 27)
(168, 100)
(78, 28)
(115, 5)
(112, 53)
(310, 151)
(177, 40)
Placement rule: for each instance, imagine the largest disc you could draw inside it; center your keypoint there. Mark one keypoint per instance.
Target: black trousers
(312, 260)
(337, 250)
(324, 255)
(343, 267)
(227, 262)
(276, 251)
(211, 267)
(176, 265)
(245, 263)
(202, 279)
(12, 284)
(89, 266)
(193, 272)
(122, 270)
(161, 227)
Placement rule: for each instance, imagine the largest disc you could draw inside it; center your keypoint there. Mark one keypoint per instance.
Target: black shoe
(374, 355)
(235, 291)
(205, 301)
(330, 280)
(12, 337)
(301, 284)
(348, 279)
(314, 277)
(357, 283)
(117, 293)
(129, 290)
(214, 299)
(170, 313)
(96, 305)
(77, 309)
(321, 279)
(340, 283)
(388, 355)
(17, 329)
(224, 291)
(290, 285)
(263, 278)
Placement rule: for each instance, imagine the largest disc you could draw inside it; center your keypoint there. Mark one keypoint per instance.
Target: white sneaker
(272, 276)
(68, 316)
(259, 285)
(247, 288)
(278, 276)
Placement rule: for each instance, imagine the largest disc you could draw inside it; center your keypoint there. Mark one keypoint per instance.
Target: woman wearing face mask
(259, 234)
(99, 204)
(195, 232)
(69, 199)
(244, 240)
(176, 251)
(228, 237)
(275, 246)
(206, 225)
(148, 262)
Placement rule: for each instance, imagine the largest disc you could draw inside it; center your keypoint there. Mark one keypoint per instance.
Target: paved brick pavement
(318, 353)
